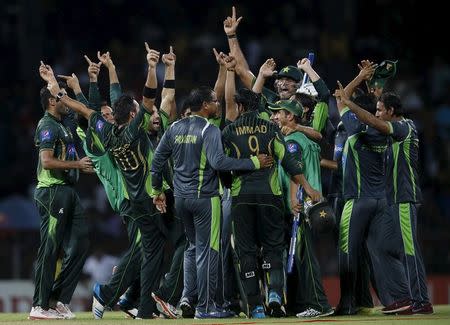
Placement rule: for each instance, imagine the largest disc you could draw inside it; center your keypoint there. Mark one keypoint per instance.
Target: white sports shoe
(312, 313)
(39, 313)
(64, 310)
(97, 308)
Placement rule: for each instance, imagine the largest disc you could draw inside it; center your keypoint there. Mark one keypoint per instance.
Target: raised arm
(148, 100)
(46, 73)
(94, 93)
(362, 115)
(74, 84)
(267, 70)
(168, 103)
(231, 113)
(115, 91)
(219, 86)
(366, 70)
(230, 25)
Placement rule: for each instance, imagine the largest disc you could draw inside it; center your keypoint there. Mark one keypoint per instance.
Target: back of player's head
(122, 109)
(199, 95)
(45, 94)
(186, 105)
(367, 101)
(392, 101)
(247, 98)
(307, 101)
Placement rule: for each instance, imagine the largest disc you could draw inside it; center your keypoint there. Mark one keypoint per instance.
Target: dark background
(340, 33)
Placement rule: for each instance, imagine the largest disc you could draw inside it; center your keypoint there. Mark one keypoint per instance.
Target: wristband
(149, 92)
(169, 84)
(59, 96)
(231, 36)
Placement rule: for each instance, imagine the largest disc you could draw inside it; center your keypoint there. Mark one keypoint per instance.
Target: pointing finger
(64, 77)
(147, 47)
(88, 60)
(233, 15)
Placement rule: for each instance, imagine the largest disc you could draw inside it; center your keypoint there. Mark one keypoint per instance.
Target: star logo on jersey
(285, 70)
(99, 125)
(61, 211)
(323, 214)
(292, 147)
(46, 135)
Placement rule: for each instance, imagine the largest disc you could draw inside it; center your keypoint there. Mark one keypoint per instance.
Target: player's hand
(230, 62)
(220, 57)
(341, 95)
(315, 196)
(85, 163)
(296, 207)
(72, 81)
(366, 69)
(46, 72)
(231, 24)
(152, 56)
(265, 160)
(169, 58)
(93, 69)
(304, 64)
(268, 68)
(160, 203)
(105, 59)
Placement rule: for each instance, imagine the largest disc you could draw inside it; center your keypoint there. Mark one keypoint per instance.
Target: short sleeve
(99, 125)
(46, 136)
(400, 130)
(351, 122)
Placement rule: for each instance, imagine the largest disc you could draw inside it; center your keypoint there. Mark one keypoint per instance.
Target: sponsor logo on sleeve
(292, 147)
(99, 125)
(46, 135)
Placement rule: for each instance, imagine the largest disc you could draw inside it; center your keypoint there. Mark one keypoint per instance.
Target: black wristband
(169, 84)
(149, 92)
(231, 36)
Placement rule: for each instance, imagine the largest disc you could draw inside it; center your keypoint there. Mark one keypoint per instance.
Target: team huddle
(235, 189)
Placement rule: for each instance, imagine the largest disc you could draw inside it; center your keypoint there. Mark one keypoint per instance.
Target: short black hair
(122, 108)
(45, 94)
(392, 101)
(199, 95)
(248, 99)
(186, 105)
(366, 101)
(306, 101)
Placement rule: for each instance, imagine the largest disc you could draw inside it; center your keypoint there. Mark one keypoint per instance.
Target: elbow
(46, 164)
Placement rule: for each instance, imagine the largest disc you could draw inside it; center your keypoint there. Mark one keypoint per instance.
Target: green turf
(441, 316)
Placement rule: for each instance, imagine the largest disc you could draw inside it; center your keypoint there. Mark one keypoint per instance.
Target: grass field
(441, 316)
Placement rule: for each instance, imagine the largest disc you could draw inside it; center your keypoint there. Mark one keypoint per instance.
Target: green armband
(255, 161)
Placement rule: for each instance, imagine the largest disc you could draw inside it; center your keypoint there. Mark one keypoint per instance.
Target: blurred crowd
(59, 32)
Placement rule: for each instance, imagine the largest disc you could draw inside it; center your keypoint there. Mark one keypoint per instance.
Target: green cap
(290, 105)
(383, 72)
(290, 72)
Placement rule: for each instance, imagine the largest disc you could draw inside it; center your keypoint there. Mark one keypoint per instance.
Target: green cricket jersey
(108, 173)
(131, 150)
(307, 153)
(51, 134)
(251, 135)
(403, 164)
